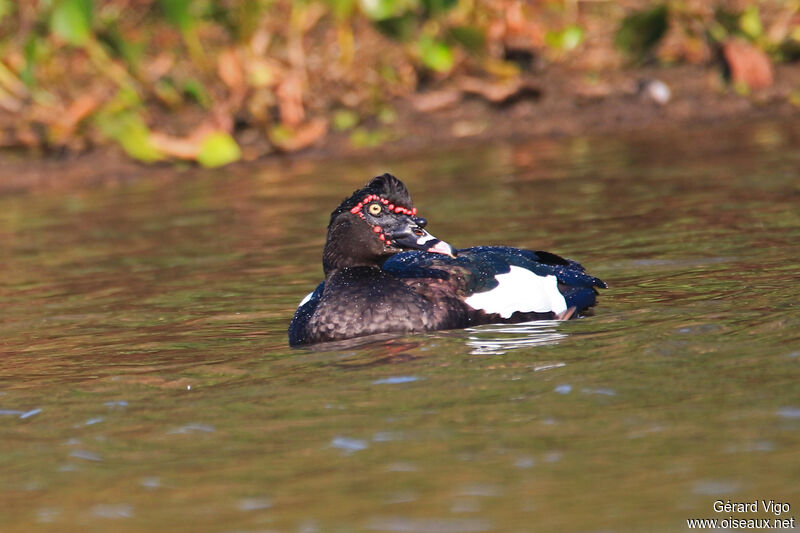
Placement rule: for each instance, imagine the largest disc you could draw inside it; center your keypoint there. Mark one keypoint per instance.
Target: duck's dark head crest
(391, 188)
(386, 187)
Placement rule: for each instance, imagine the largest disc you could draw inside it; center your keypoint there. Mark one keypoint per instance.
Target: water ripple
(87, 455)
(114, 512)
(192, 428)
(254, 504)
(349, 445)
(395, 380)
(498, 339)
(789, 412)
(429, 525)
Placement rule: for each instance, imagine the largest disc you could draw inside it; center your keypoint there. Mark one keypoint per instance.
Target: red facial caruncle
(398, 209)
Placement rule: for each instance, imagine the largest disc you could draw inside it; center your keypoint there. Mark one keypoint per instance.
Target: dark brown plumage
(371, 287)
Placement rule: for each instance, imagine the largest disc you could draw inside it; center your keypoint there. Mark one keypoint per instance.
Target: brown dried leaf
(231, 70)
(748, 65)
(221, 118)
(9, 103)
(468, 128)
(503, 92)
(523, 29)
(302, 136)
(27, 136)
(65, 124)
(290, 100)
(181, 147)
(78, 110)
(435, 100)
(492, 91)
(515, 19)
(595, 91)
(159, 66)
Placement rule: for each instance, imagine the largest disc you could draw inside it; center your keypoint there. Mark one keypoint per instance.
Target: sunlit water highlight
(147, 385)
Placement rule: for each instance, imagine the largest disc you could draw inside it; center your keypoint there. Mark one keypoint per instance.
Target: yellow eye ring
(374, 209)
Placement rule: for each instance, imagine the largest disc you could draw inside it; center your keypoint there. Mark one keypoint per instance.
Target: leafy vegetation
(215, 80)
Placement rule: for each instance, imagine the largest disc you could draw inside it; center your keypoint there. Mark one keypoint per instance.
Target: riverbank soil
(559, 103)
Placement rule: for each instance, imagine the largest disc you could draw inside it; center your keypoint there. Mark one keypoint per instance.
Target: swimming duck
(384, 273)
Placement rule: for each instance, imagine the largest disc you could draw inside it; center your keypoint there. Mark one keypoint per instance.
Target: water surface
(147, 385)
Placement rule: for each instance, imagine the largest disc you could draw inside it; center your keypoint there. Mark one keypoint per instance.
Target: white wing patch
(520, 290)
(305, 300)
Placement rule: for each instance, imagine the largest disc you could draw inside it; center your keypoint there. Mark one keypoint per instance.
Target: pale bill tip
(442, 247)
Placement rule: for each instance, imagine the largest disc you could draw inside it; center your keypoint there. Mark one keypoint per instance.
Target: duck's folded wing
(567, 271)
(504, 280)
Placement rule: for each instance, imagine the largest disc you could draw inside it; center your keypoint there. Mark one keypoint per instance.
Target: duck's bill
(441, 247)
(419, 239)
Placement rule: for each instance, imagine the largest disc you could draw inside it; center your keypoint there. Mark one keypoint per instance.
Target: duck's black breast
(359, 301)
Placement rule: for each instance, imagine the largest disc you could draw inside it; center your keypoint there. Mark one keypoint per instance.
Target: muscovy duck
(384, 273)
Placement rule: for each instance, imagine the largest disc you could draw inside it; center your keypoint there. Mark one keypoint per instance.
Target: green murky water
(146, 383)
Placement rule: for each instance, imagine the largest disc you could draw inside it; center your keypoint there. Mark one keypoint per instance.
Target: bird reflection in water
(497, 339)
(494, 339)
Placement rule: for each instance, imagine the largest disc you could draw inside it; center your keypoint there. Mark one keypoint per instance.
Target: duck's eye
(375, 209)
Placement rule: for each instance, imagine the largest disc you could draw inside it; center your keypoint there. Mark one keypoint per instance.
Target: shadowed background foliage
(214, 80)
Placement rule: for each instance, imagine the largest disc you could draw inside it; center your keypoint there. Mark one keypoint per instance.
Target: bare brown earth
(560, 103)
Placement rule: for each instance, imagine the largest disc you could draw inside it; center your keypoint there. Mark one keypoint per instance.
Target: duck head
(375, 223)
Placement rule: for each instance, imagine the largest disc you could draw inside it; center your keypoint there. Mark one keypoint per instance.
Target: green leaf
(364, 138)
(121, 46)
(717, 31)
(28, 74)
(402, 27)
(435, 55)
(471, 38)
(218, 149)
(387, 115)
(384, 9)
(728, 20)
(167, 92)
(567, 39)
(72, 20)
(341, 8)
(6, 8)
(194, 88)
(640, 32)
(437, 7)
(130, 131)
(750, 22)
(243, 18)
(572, 36)
(177, 13)
(345, 119)
(280, 134)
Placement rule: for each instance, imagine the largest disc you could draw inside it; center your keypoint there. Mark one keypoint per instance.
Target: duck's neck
(345, 251)
(332, 268)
